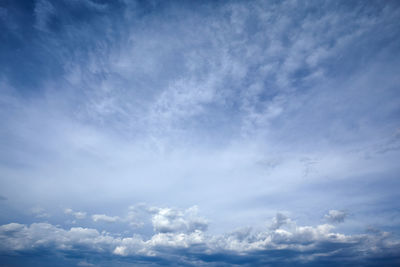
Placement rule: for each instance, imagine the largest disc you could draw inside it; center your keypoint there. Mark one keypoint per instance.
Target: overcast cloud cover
(199, 133)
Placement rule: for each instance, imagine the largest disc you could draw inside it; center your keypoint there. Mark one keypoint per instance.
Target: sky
(199, 133)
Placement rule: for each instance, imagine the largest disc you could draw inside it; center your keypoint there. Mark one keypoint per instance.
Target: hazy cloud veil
(199, 133)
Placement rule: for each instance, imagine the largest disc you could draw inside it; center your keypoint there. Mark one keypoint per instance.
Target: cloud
(105, 218)
(77, 214)
(279, 220)
(336, 216)
(85, 263)
(168, 220)
(297, 244)
(176, 103)
(44, 11)
(39, 212)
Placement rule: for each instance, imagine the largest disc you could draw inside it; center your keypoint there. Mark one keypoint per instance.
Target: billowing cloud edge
(180, 236)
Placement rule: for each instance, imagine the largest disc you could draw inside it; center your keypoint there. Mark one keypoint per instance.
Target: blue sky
(199, 133)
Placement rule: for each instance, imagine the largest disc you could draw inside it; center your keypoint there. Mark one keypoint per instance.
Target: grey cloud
(336, 216)
(279, 220)
(39, 212)
(390, 145)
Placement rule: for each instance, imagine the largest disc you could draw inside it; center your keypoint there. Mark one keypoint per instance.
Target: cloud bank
(183, 240)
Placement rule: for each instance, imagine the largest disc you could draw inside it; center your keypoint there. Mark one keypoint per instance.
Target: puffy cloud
(175, 241)
(166, 220)
(336, 216)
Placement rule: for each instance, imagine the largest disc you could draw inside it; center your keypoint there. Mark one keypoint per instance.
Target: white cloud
(105, 218)
(77, 214)
(307, 242)
(167, 220)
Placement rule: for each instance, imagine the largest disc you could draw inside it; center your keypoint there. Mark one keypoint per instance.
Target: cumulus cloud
(169, 220)
(173, 242)
(336, 216)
